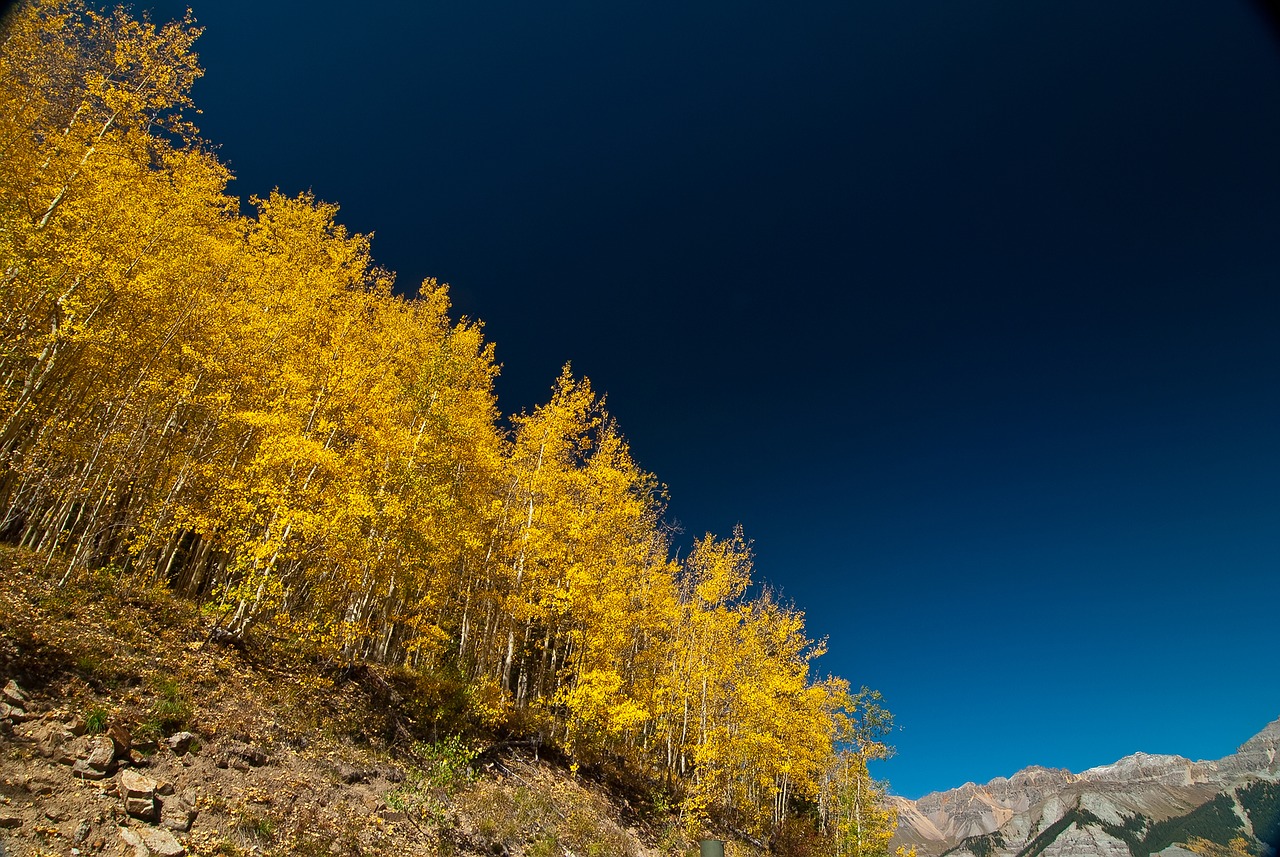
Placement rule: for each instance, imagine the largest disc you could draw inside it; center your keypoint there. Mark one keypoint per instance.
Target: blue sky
(967, 312)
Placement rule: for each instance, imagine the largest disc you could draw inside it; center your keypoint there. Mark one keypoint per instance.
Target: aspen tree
(241, 409)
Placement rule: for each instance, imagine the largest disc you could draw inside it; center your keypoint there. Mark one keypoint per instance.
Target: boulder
(150, 841)
(50, 737)
(13, 694)
(139, 794)
(66, 754)
(101, 752)
(180, 742)
(121, 740)
(177, 815)
(143, 809)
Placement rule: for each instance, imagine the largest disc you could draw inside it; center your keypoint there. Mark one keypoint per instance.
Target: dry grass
(111, 653)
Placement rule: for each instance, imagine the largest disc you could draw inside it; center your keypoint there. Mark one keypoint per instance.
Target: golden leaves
(241, 409)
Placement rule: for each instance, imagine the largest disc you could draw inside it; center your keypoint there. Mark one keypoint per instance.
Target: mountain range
(1140, 806)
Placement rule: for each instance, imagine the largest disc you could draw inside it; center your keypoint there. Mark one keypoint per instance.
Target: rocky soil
(124, 730)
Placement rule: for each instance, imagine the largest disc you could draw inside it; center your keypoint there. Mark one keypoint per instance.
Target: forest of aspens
(241, 409)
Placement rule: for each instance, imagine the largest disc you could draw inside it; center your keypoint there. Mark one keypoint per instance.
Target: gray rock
(150, 841)
(66, 754)
(134, 784)
(13, 694)
(180, 742)
(50, 737)
(100, 753)
(85, 771)
(82, 832)
(143, 809)
(177, 815)
(139, 793)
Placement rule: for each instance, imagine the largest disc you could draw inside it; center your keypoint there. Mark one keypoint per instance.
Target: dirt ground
(245, 752)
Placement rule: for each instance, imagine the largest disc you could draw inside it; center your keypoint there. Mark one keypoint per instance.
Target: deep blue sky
(967, 311)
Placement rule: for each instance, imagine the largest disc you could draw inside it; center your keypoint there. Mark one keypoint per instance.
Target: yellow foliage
(1237, 847)
(241, 408)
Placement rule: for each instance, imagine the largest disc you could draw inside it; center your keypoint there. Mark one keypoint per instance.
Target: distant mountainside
(1140, 806)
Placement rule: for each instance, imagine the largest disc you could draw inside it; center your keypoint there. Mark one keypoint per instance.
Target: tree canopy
(240, 408)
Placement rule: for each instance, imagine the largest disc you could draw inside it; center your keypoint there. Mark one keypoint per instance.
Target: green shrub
(441, 768)
(95, 720)
(257, 828)
(544, 845)
(170, 711)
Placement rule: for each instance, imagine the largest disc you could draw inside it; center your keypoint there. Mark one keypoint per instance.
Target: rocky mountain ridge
(1111, 810)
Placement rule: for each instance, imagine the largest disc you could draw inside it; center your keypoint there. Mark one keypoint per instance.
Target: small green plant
(259, 828)
(95, 720)
(170, 711)
(446, 764)
(544, 845)
(660, 805)
(149, 730)
(442, 768)
(88, 665)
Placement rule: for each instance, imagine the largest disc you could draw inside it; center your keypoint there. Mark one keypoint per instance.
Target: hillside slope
(125, 730)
